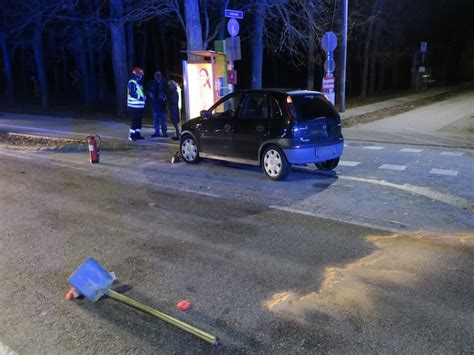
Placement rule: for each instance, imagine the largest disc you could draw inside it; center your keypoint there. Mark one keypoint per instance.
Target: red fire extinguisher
(94, 143)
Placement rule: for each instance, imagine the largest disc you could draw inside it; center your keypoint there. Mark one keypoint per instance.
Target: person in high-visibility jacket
(136, 103)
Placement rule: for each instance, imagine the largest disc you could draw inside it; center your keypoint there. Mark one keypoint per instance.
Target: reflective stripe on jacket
(135, 97)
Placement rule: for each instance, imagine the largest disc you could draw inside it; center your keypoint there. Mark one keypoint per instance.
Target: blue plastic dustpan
(91, 280)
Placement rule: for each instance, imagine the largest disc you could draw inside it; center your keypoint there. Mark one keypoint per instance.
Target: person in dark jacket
(157, 92)
(174, 103)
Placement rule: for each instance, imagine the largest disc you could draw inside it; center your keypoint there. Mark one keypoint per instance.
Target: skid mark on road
(400, 262)
(449, 199)
(5, 350)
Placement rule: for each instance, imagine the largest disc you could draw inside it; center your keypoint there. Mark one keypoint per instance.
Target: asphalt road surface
(375, 257)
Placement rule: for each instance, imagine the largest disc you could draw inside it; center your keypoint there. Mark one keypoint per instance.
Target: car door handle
(227, 127)
(259, 128)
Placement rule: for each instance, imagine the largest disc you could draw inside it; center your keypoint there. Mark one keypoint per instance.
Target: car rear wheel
(328, 164)
(274, 163)
(189, 150)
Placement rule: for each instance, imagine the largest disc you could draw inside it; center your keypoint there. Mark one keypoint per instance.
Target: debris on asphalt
(32, 139)
(183, 305)
(93, 281)
(175, 158)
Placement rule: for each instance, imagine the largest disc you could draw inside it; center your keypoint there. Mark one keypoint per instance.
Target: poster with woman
(200, 87)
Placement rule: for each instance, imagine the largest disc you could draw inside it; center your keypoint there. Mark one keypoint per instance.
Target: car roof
(282, 91)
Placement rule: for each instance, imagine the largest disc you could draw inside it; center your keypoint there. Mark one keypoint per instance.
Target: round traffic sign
(329, 65)
(233, 27)
(329, 41)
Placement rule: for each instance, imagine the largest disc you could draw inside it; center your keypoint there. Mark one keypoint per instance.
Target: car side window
(255, 105)
(277, 112)
(226, 108)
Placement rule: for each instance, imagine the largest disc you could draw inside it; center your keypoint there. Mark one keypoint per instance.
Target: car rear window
(308, 107)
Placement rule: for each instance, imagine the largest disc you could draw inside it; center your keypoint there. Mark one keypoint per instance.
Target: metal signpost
(233, 28)
(343, 60)
(329, 43)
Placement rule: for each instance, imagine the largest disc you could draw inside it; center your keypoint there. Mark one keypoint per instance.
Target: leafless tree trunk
(38, 52)
(311, 60)
(193, 25)
(144, 50)
(8, 69)
(65, 62)
(130, 47)
(119, 56)
(257, 44)
(374, 59)
(164, 58)
(367, 43)
(93, 87)
(101, 83)
(82, 65)
(413, 81)
(381, 75)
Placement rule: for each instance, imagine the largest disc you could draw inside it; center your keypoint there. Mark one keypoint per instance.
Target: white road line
(452, 200)
(393, 167)
(373, 147)
(70, 166)
(19, 156)
(5, 350)
(444, 172)
(348, 163)
(452, 154)
(411, 150)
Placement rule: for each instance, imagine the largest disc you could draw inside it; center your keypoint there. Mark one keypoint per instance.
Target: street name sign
(234, 14)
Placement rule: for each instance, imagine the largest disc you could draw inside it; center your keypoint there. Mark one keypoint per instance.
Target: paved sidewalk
(66, 127)
(377, 106)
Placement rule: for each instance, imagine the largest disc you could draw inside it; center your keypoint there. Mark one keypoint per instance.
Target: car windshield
(311, 106)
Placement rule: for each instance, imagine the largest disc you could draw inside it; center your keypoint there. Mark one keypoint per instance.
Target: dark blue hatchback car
(269, 128)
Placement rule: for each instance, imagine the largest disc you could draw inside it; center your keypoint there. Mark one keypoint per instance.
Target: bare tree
(7, 67)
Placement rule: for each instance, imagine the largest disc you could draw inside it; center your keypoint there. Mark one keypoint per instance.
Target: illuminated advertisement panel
(199, 84)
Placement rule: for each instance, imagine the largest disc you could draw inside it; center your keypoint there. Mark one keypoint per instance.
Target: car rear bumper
(314, 154)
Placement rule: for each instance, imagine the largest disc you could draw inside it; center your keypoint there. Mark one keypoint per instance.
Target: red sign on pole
(328, 84)
(328, 88)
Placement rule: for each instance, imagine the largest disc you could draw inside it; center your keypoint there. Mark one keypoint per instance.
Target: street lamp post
(342, 86)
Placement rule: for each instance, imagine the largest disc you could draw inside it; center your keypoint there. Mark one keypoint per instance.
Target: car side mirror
(205, 114)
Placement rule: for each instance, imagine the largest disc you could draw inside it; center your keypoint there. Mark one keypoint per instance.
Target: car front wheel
(189, 150)
(328, 164)
(274, 163)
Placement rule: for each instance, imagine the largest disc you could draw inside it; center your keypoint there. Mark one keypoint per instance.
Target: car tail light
(291, 108)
